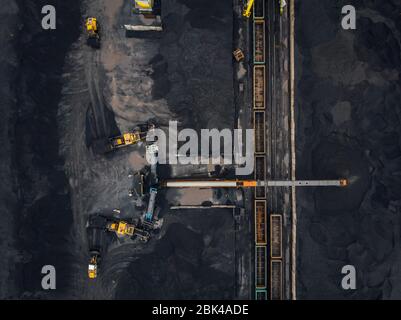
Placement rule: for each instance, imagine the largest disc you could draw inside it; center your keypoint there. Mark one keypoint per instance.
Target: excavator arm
(248, 8)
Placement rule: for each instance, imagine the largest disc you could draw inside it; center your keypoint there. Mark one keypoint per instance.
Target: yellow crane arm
(247, 11)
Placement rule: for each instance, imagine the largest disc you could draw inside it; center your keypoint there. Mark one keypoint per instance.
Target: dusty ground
(185, 75)
(187, 70)
(63, 95)
(348, 125)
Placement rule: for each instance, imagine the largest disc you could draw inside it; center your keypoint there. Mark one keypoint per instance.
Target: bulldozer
(92, 31)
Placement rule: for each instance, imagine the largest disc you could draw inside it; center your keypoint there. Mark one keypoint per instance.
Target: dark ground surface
(42, 211)
(59, 99)
(348, 125)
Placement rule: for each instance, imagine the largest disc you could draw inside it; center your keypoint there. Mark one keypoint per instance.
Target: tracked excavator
(92, 31)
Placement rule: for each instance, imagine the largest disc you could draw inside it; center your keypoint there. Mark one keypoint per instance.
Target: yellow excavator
(121, 228)
(92, 31)
(125, 139)
(248, 8)
(102, 146)
(125, 229)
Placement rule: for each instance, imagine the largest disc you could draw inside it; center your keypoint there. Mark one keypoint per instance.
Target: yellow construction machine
(144, 6)
(121, 228)
(126, 139)
(125, 229)
(101, 146)
(93, 262)
(92, 31)
(146, 16)
(248, 8)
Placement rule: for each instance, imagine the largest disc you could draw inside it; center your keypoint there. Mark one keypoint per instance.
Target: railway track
(259, 116)
(270, 148)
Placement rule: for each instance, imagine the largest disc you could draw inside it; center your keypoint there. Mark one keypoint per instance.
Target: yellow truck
(93, 264)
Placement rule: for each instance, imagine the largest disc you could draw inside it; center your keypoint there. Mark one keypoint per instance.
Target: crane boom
(252, 183)
(212, 183)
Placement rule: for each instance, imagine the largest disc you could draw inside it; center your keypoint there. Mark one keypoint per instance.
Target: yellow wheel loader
(92, 31)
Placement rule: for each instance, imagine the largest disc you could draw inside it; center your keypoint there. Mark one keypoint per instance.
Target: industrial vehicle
(123, 228)
(149, 218)
(93, 264)
(146, 16)
(248, 8)
(101, 146)
(92, 31)
(238, 55)
(144, 6)
(151, 204)
(126, 139)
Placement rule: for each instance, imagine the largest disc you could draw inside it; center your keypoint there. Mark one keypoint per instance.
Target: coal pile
(348, 125)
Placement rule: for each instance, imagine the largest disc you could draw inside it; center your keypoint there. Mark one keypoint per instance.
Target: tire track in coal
(97, 105)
